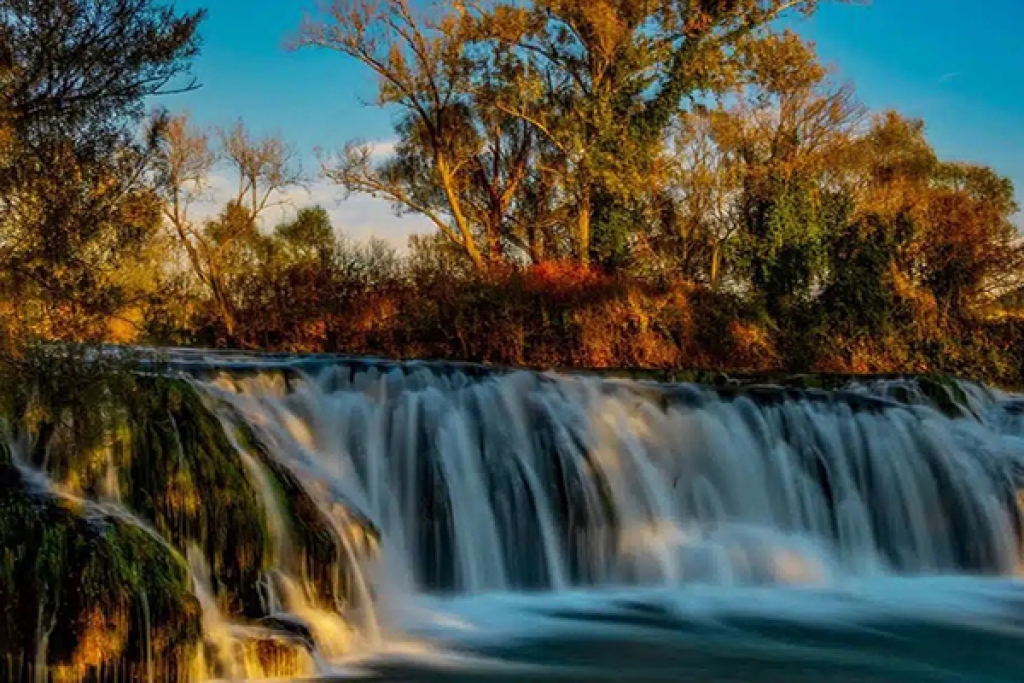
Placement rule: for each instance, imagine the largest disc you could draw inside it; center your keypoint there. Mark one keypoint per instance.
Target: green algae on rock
(156, 448)
(88, 596)
(150, 443)
(185, 477)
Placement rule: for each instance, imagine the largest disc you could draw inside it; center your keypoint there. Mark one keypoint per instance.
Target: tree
(972, 252)
(757, 176)
(424, 72)
(504, 104)
(309, 237)
(604, 81)
(75, 212)
(781, 144)
(263, 169)
(702, 210)
(958, 243)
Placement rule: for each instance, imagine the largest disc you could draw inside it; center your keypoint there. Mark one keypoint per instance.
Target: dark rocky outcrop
(88, 596)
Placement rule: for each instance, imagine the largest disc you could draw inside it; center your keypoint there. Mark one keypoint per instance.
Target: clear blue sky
(959, 64)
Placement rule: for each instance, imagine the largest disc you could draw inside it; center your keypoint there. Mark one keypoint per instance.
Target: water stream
(541, 526)
(518, 507)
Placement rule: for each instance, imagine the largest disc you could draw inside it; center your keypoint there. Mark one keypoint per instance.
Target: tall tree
(263, 169)
(604, 80)
(786, 134)
(423, 70)
(74, 208)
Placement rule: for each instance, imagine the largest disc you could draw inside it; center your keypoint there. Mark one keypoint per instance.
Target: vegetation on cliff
(87, 595)
(169, 478)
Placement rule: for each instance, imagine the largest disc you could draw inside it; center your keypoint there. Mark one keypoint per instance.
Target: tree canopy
(609, 182)
(76, 212)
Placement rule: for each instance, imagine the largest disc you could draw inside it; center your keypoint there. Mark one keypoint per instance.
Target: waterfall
(374, 486)
(523, 481)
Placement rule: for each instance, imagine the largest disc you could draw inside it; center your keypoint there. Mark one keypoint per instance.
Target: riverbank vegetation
(610, 184)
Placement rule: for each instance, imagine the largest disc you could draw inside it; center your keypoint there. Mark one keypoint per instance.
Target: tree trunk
(495, 252)
(535, 243)
(716, 264)
(461, 223)
(224, 308)
(583, 231)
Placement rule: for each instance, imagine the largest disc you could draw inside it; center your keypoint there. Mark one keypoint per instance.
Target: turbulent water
(539, 526)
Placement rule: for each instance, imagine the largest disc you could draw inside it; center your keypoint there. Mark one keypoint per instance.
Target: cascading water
(477, 510)
(524, 481)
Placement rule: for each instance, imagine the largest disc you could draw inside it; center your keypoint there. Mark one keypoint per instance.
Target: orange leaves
(784, 62)
(752, 344)
(562, 276)
(697, 23)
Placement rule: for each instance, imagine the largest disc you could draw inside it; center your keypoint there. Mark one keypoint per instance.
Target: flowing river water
(569, 527)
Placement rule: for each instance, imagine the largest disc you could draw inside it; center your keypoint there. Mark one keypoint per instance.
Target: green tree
(75, 211)
(603, 82)
(309, 237)
(757, 178)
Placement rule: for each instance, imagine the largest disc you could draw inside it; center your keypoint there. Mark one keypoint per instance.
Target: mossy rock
(151, 442)
(109, 599)
(176, 468)
(184, 476)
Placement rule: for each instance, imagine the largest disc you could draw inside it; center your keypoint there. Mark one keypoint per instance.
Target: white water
(495, 485)
(520, 512)
(519, 481)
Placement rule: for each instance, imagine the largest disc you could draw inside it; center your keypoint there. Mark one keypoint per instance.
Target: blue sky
(958, 64)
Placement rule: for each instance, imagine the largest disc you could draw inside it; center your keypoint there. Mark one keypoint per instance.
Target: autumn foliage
(660, 184)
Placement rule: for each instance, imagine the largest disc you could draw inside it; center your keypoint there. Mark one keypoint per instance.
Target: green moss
(152, 443)
(184, 476)
(174, 465)
(111, 601)
(177, 470)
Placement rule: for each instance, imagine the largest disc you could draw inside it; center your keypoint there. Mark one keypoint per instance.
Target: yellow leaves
(102, 639)
(610, 25)
(784, 63)
(126, 329)
(507, 24)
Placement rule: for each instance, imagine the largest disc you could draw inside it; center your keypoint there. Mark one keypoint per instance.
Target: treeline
(612, 183)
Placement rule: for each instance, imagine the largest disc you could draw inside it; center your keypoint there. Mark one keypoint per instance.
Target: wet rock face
(88, 597)
(93, 586)
(184, 476)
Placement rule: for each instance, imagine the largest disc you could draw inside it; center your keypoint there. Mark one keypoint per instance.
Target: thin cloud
(947, 77)
(382, 150)
(359, 217)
